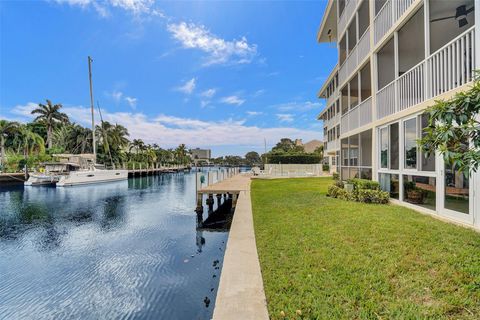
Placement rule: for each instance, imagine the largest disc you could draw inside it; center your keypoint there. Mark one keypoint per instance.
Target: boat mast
(92, 107)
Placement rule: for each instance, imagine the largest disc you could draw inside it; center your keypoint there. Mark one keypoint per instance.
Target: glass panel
(390, 183)
(354, 92)
(420, 191)
(426, 163)
(354, 173)
(366, 173)
(345, 175)
(345, 151)
(353, 150)
(410, 144)
(366, 148)
(384, 148)
(394, 146)
(456, 190)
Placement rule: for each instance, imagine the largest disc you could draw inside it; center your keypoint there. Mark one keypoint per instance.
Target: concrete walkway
(241, 294)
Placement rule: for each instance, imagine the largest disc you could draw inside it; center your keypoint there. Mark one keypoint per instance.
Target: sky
(223, 75)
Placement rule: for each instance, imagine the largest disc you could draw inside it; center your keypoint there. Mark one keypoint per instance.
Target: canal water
(122, 250)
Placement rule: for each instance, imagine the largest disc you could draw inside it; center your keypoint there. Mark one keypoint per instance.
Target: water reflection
(132, 249)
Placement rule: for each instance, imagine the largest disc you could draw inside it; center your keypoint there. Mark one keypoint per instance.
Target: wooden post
(199, 208)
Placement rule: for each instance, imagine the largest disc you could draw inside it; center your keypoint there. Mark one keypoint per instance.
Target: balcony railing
(332, 98)
(347, 13)
(355, 57)
(333, 145)
(448, 68)
(388, 15)
(357, 117)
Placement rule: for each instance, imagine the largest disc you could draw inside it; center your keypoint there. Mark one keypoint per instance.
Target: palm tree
(49, 114)
(6, 127)
(181, 154)
(30, 141)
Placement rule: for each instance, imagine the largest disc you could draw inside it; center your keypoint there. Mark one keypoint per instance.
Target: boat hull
(89, 177)
(39, 180)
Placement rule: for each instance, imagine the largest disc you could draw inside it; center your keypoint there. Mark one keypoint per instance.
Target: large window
(426, 163)
(457, 187)
(420, 191)
(390, 183)
(353, 147)
(384, 147)
(394, 146)
(410, 147)
(356, 156)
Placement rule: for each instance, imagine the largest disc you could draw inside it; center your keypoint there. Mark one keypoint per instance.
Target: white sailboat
(91, 173)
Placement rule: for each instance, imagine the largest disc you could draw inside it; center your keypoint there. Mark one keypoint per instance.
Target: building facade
(395, 57)
(200, 154)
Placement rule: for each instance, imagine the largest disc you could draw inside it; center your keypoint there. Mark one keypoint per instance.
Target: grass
(333, 259)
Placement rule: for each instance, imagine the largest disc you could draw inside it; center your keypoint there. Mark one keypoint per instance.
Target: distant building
(201, 154)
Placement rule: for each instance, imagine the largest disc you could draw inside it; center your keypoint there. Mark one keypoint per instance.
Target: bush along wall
(366, 191)
(294, 158)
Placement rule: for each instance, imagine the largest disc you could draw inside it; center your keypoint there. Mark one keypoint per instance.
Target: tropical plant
(50, 115)
(454, 130)
(6, 128)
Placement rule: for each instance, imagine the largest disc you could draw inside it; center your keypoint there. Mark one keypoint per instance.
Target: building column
(477, 33)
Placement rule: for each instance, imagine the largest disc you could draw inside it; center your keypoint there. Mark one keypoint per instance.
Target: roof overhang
(327, 32)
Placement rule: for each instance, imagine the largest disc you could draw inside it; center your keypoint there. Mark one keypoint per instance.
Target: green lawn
(333, 259)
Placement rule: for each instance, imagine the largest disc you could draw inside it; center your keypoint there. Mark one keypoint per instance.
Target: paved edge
(241, 294)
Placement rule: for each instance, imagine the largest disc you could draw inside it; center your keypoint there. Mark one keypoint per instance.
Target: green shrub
(326, 167)
(339, 183)
(372, 196)
(336, 176)
(343, 194)
(364, 184)
(333, 191)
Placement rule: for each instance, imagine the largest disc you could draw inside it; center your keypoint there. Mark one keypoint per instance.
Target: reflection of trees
(384, 157)
(411, 157)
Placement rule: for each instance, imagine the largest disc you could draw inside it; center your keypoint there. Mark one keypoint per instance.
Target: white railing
(448, 68)
(347, 13)
(383, 21)
(342, 73)
(365, 111)
(411, 87)
(333, 145)
(386, 100)
(388, 15)
(355, 57)
(352, 61)
(344, 124)
(332, 98)
(363, 46)
(452, 65)
(357, 117)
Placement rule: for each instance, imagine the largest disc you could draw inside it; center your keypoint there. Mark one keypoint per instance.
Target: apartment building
(395, 57)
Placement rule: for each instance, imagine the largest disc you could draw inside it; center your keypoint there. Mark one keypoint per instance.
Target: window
(354, 92)
(420, 191)
(366, 149)
(426, 163)
(410, 149)
(345, 152)
(353, 150)
(390, 183)
(384, 147)
(456, 190)
(394, 146)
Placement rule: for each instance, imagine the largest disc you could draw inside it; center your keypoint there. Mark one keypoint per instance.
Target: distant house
(310, 146)
(198, 154)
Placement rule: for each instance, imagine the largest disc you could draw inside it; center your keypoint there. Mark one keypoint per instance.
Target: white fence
(293, 170)
(204, 179)
(354, 58)
(448, 68)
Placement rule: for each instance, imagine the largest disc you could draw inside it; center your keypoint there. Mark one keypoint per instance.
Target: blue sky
(223, 75)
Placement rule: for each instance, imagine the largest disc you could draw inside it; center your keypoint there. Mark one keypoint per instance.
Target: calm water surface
(123, 250)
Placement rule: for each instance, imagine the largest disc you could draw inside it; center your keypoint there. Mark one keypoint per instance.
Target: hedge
(294, 158)
(364, 184)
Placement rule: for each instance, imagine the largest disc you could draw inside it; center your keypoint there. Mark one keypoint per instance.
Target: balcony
(332, 146)
(357, 117)
(355, 58)
(388, 15)
(448, 68)
(347, 13)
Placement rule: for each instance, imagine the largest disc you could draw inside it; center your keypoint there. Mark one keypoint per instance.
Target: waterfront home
(396, 57)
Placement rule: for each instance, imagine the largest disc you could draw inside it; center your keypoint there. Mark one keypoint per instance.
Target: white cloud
(170, 131)
(132, 102)
(233, 100)
(116, 95)
(219, 51)
(259, 93)
(298, 106)
(208, 93)
(254, 113)
(135, 7)
(204, 103)
(188, 87)
(285, 117)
